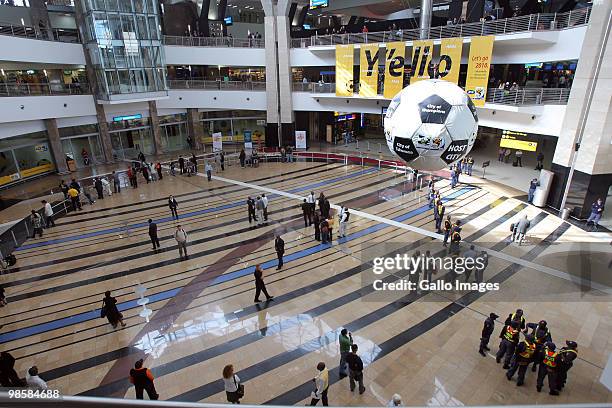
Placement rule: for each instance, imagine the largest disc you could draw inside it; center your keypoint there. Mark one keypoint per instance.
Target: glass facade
(25, 156)
(130, 137)
(173, 132)
(232, 125)
(124, 41)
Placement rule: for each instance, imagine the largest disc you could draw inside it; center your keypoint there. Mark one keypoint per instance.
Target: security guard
(567, 355)
(523, 355)
(516, 316)
(548, 367)
(541, 335)
(447, 228)
(487, 330)
(509, 340)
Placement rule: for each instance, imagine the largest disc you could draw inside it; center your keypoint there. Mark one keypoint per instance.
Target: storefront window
(8, 168)
(25, 156)
(33, 160)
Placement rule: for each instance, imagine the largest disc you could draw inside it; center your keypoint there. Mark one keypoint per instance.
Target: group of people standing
(537, 348)
(258, 210)
(322, 219)
(464, 165)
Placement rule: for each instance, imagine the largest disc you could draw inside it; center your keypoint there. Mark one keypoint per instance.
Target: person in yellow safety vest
(509, 340)
(566, 357)
(548, 367)
(518, 316)
(447, 228)
(541, 335)
(523, 355)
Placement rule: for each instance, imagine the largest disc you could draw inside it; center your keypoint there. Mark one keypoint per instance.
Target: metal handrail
(45, 34)
(38, 89)
(214, 42)
(218, 84)
(532, 22)
(527, 96)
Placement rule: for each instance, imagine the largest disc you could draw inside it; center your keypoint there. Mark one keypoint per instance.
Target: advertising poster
(422, 51)
(300, 139)
(368, 70)
(217, 138)
(450, 59)
(394, 68)
(248, 140)
(344, 69)
(479, 63)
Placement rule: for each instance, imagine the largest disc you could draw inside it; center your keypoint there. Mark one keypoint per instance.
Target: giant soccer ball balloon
(431, 124)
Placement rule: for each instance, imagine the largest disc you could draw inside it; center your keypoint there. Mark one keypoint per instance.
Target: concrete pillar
(583, 152)
(425, 16)
(107, 146)
(154, 119)
(56, 146)
(195, 128)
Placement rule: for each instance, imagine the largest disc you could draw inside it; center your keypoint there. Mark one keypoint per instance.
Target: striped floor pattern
(422, 346)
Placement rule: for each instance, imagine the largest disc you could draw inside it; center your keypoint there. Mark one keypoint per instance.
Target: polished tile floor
(424, 348)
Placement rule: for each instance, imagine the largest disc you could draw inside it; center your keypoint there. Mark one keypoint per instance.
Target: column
(583, 151)
(272, 106)
(426, 10)
(195, 128)
(157, 140)
(107, 146)
(56, 146)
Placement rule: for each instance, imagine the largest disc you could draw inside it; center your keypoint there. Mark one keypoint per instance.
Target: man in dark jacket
(251, 209)
(260, 286)
(279, 246)
(99, 188)
(8, 375)
(355, 369)
(306, 213)
(487, 330)
(142, 379)
(181, 162)
(153, 234)
(173, 205)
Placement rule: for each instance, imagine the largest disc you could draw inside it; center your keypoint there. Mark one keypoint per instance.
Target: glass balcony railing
(532, 22)
(214, 42)
(50, 34)
(218, 85)
(30, 89)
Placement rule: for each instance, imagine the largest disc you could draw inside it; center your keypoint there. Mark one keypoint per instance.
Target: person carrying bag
(234, 390)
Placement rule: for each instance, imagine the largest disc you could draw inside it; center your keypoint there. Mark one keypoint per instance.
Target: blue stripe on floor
(186, 215)
(95, 314)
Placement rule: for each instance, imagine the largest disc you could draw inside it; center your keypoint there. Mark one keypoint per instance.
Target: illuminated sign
(315, 4)
(228, 21)
(515, 140)
(306, 26)
(127, 117)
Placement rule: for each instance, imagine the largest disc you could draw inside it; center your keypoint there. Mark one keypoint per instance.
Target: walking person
(153, 234)
(345, 339)
(181, 240)
(597, 209)
(539, 161)
(173, 205)
(259, 209)
(321, 381)
(33, 380)
(234, 390)
(279, 247)
(37, 224)
(521, 229)
(355, 369)
(158, 169)
(344, 219)
(181, 162)
(208, 168)
(73, 193)
(264, 199)
(48, 211)
(242, 157)
(110, 310)
(222, 160)
(142, 378)
(99, 187)
(251, 209)
(306, 213)
(260, 286)
(8, 375)
(519, 158)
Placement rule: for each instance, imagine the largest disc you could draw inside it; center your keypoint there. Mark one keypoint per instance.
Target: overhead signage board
(518, 141)
(127, 117)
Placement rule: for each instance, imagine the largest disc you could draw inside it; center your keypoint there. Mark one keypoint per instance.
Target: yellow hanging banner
(344, 69)
(422, 51)
(394, 68)
(450, 59)
(368, 70)
(479, 64)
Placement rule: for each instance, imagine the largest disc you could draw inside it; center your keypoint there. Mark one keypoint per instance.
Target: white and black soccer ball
(431, 124)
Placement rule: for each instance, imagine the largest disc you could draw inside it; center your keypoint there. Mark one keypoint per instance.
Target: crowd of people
(536, 348)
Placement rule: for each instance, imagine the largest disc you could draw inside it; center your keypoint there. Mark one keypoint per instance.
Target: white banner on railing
(217, 141)
(300, 139)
